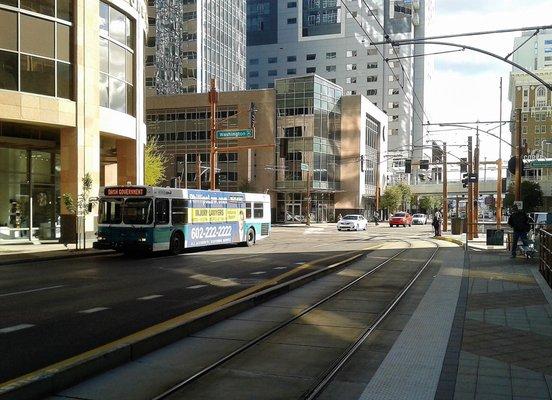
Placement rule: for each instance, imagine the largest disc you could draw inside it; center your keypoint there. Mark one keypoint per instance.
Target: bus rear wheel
(177, 244)
(250, 240)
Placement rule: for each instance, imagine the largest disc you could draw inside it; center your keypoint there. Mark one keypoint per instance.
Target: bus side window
(258, 210)
(247, 210)
(162, 211)
(179, 212)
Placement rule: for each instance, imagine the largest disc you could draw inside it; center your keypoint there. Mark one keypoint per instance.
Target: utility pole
(198, 170)
(308, 221)
(499, 166)
(213, 99)
(445, 189)
(518, 156)
(476, 187)
(469, 211)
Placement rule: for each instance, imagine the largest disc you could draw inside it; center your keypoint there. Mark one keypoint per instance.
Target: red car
(400, 218)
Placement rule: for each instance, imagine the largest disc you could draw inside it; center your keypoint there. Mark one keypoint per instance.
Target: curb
(450, 240)
(51, 258)
(66, 373)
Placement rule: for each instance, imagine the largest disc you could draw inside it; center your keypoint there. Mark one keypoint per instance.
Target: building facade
(71, 103)
(536, 54)
(289, 38)
(535, 102)
(190, 41)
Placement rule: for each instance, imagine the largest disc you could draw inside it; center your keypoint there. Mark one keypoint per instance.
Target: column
(126, 161)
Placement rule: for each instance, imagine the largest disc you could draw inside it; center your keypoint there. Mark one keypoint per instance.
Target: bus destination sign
(125, 191)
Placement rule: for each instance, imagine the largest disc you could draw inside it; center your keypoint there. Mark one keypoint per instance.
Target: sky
(465, 85)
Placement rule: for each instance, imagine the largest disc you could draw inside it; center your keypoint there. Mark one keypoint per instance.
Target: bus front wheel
(177, 244)
(250, 240)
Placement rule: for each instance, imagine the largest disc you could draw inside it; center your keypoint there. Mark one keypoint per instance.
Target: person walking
(376, 217)
(520, 223)
(437, 221)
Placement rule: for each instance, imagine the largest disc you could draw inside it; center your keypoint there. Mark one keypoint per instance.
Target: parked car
(400, 218)
(419, 219)
(352, 222)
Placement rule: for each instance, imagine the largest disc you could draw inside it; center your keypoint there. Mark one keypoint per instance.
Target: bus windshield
(138, 212)
(110, 211)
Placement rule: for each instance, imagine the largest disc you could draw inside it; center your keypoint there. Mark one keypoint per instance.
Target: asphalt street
(52, 310)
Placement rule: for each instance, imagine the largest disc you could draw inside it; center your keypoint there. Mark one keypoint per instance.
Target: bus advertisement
(146, 218)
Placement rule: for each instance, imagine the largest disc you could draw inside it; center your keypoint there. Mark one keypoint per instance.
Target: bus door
(162, 230)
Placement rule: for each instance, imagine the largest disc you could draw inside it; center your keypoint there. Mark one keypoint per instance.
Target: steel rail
(330, 373)
(271, 331)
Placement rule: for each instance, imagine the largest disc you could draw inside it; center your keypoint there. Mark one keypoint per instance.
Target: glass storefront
(30, 201)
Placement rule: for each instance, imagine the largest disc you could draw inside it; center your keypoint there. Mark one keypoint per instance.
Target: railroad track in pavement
(387, 282)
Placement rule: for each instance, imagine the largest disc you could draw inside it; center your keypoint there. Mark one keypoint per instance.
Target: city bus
(144, 218)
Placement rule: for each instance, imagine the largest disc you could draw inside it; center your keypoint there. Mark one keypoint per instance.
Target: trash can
(456, 226)
(495, 237)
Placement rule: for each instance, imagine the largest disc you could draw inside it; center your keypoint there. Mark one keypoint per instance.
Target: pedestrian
(435, 224)
(339, 217)
(376, 218)
(520, 223)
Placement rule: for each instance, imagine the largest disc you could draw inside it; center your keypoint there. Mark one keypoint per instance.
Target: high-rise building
(189, 42)
(536, 53)
(287, 38)
(71, 104)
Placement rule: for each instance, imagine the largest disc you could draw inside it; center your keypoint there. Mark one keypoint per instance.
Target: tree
(431, 203)
(405, 193)
(82, 206)
(531, 195)
(392, 198)
(155, 161)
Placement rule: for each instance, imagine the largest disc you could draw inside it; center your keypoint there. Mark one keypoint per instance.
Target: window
(330, 68)
(9, 75)
(293, 131)
(253, 74)
(37, 36)
(311, 57)
(351, 92)
(291, 21)
(524, 129)
(390, 78)
(150, 60)
(8, 30)
(254, 61)
(272, 60)
(311, 70)
(254, 86)
(257, 210)
(291, 58)
(372, 78)
(291, 71)
(162, 211)
(330, 55)
(270, 85)
(393, 91)
(351, 53)
(247, 210)
(45, 7)
(179, 212)
(372, 52)
(537, 130)
(292, 4)
(371, 92)
(543, 129)
(351, 79)
(150, 82)
(272, 72)
(372, 65)
(394, 104)
(351, 67)
(151, 41)
(37, 75)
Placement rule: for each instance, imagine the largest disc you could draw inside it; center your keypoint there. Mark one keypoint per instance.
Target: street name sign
(235, 133)
(547, 163)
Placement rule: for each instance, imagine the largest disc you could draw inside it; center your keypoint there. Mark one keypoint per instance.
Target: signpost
(235, 133)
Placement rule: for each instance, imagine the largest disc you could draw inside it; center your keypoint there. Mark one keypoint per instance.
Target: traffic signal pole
(213, 99)
(469, 211)
(476, 187)
(445, 189)
(517, 186)
(499, 166)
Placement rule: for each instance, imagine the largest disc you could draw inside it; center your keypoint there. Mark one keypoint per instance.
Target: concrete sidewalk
(22, 253)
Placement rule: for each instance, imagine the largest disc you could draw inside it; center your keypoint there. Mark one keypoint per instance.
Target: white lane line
(279, 267)
(31, 290)
(15, 328)
(153, 296)
(196, 286)
(299, 263)
(93, 310)
(258, 273)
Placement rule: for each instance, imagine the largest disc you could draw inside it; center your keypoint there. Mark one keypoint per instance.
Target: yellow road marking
(164, 326)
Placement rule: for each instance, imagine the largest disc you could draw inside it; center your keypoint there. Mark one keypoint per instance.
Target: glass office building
(308, 135)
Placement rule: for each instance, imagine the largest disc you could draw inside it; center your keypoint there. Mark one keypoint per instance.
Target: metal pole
(499, 165)
(469, 211)
(445, 189)
(308, 221)
(213, 98)
(198, 171)
(476, 187)
(185, 171)
(518, 156)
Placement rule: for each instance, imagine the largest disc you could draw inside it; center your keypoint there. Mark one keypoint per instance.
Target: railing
(545, 256)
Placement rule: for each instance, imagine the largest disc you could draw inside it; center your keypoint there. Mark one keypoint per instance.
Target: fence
(545, 256)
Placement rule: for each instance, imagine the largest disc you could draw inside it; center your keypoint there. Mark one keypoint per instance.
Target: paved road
(52, 310)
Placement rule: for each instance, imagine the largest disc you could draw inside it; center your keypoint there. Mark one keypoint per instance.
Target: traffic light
(465, 180)
(407, 166)
(283, 147)
(424, 164)
(512, 166)
(252, 112)
(463, 165)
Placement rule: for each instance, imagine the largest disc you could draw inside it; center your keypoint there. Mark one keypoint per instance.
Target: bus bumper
(125, 246)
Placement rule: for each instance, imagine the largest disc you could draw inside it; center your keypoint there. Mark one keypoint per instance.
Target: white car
(419, 219)
(352, 222)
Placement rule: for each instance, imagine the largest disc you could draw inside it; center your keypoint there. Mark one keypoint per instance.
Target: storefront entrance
(29, 201)
(292, 207)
